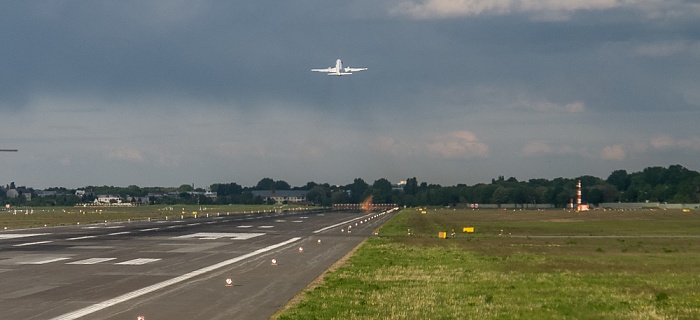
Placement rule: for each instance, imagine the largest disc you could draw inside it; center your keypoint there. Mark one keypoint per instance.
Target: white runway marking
(137, 262)
(103, 227)
(44, 261)
(151, 229)
(31, 243)
(91, 261)
(244, 227)
(337, 224)
(135, 294)
(118, 233)
(81, 238)
(218, 235)
(20, 235)
(266, 227)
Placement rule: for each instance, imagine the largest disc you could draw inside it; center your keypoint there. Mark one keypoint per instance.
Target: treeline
(674, 184)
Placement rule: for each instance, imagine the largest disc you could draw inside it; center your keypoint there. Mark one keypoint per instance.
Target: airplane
(338, 70)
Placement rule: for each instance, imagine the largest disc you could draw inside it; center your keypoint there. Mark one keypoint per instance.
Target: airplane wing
(327, 70)
(354, 69)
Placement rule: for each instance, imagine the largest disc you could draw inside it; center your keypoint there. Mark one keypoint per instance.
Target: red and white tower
(578, 195)
(580, 207)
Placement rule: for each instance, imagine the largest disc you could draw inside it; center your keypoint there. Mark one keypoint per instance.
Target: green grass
(490, 276)
(54, 216)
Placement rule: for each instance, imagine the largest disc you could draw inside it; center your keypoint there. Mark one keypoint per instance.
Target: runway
(205, 268)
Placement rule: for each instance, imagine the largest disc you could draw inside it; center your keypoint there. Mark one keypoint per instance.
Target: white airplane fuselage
(338, 70)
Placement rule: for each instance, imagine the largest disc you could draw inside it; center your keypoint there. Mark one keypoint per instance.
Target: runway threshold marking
(92, 261)
(137, 262)
(46, 261)
(218, 235)
(137, 293)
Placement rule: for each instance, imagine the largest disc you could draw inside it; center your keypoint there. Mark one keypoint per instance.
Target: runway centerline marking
(137, 293)
(31, 243)
(81, 238)
(118, 233)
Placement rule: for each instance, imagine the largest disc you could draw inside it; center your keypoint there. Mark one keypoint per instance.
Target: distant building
(139, 200)
(281, 196)
(45, 193)
(16, 193)
(399, 186)
(107, 199)
(83, 193)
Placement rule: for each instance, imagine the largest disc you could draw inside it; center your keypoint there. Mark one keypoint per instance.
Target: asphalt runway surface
(206, 268)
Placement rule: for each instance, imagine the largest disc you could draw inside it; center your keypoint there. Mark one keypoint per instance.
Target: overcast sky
(164, 93)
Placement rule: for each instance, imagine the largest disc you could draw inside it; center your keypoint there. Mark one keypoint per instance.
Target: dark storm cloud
(132, 82)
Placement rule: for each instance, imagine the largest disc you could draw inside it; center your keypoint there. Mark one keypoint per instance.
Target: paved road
(172, 269)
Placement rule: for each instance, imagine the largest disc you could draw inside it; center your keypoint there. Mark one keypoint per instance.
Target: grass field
(55, 216)
(518, 265)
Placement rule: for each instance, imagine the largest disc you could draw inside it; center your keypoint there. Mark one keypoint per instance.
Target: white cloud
(539, 148)
(387, 145)
(668, 48)
(692, 143)
(454, 144)
(437, 9)
(536, 148)
(614, 152)
(547, 106)
(664, 142)
(657, 143)
(457, 144)
(124, 154)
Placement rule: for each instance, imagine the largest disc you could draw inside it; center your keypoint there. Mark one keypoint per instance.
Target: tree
(381, 191)
(265, 184)
(281, 185)
(185, 188)
(357, 190)
(226, 189)
(500, 196)
(309, 185)
(320, 194)
(411, 187)
(620, 179)
(340, 196)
